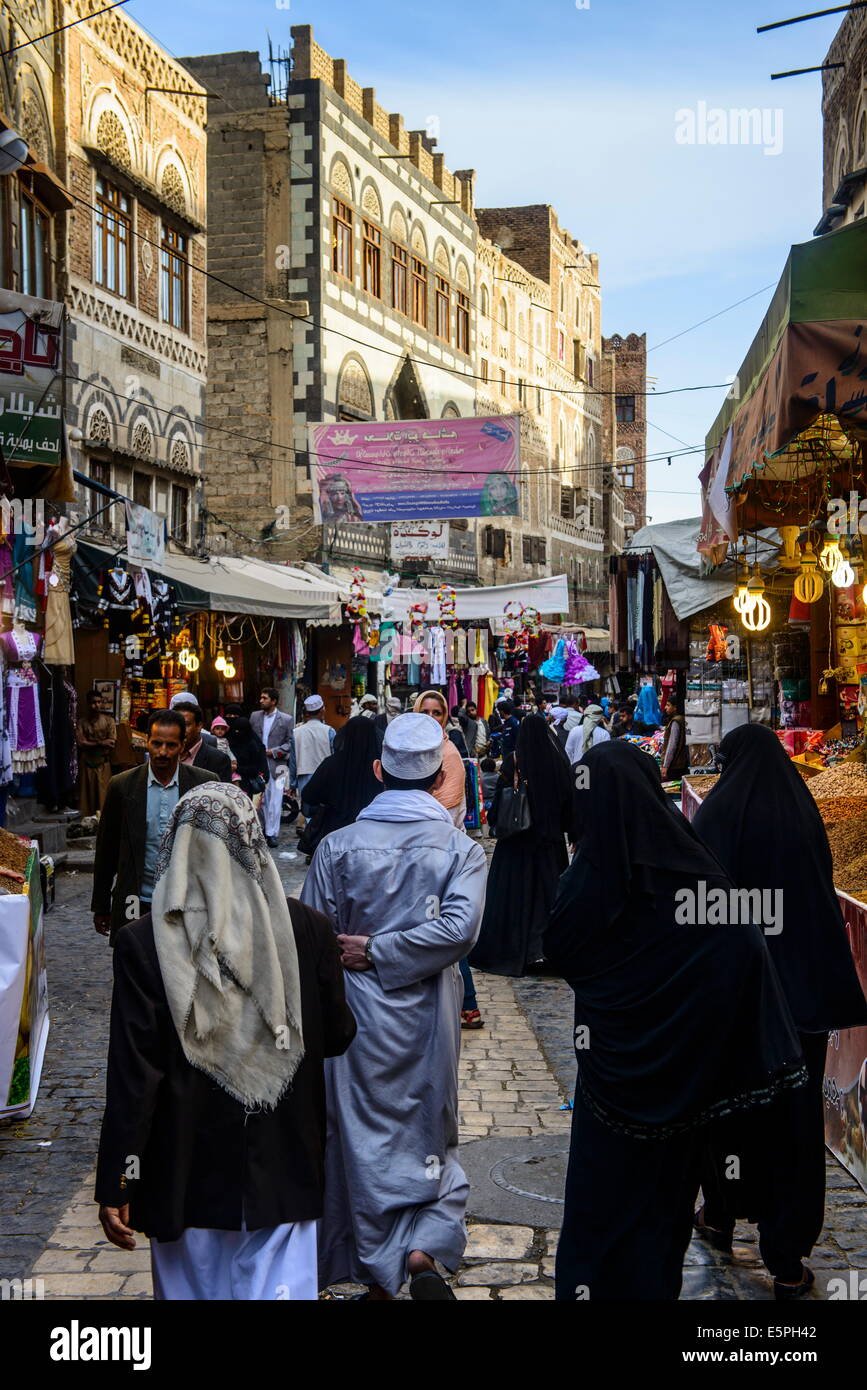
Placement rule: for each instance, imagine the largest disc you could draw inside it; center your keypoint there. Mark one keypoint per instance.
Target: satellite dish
(13, 151)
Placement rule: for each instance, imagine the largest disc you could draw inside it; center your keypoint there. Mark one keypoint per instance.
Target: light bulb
(220, 662)
(192, 662)
(830, 557)
(843, 575)
(758, 617)
(229, 671)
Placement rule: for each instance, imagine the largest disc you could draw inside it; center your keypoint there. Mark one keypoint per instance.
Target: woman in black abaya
(675, 1024)
(344, 783)
(526, 868)
(765, 829)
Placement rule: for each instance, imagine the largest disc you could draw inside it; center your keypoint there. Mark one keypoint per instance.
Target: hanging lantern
(790, 559)
(809, 584)
(829, 557)
(843, 575)
(229, 671)
(758, 615)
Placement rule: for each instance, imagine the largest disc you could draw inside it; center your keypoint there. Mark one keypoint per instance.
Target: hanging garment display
(59, 648)
(25, 597)
(6, 773)
(578, 669)
(55, 783)
(7, 584)
(554, 669)
(120, 606)
(437, 656)
(26, 739)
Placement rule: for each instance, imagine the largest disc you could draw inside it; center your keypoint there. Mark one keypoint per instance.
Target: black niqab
(685, 1022)
(345, 781)
(764, 827)
(543, 764)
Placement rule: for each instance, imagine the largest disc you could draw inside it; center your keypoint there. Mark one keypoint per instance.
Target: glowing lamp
(229, 671)
(830, 557)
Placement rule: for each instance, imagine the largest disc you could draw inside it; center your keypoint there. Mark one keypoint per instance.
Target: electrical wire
(60, 28)
(402, 356)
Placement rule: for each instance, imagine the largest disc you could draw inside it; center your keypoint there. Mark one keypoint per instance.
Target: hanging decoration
(758, 615)
(446, 598)
(809, 584)
(356, 606)
(416, 621)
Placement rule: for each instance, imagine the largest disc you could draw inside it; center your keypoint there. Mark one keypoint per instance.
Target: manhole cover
(540, 1176)
(517, 1181)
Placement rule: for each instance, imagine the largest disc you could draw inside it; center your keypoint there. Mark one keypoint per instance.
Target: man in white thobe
(405, 892)
(313, 743)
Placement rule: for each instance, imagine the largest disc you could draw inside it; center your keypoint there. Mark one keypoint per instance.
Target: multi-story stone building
(550, 357)
(358, 224)
(624, 435)
(130, 133)
(844, 125)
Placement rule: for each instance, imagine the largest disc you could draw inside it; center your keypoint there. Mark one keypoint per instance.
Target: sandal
(784, 1292)
(430, 1287)
(720, 1240)
(471, 1018)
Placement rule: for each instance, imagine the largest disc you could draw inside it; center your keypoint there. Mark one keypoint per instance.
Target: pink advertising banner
(409, 470)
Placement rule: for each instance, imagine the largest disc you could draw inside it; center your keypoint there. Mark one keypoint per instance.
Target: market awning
(674, 549)
(800, 396)
(547, 595)
(221, 584)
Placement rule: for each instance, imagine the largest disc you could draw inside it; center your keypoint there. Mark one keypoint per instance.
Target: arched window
(484, 302)
(590, 324)
(577, 311)
(504, 315)
(577, 446)
(861, 139)
(562, 297)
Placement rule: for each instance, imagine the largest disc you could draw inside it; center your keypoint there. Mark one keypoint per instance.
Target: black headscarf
(686, 1022)
(247, 748)
(764, 827)
(345, 781)
(543, 764)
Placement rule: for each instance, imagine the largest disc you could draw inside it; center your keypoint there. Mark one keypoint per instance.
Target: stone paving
(515, 1074)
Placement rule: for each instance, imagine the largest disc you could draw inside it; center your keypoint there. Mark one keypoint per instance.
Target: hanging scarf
(226, 947)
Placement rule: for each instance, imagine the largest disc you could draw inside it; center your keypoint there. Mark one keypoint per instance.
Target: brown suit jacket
(120, 842)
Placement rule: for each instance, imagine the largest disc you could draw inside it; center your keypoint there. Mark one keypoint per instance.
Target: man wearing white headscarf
(226, 1001)
(589, 732)
(405, 891)
(314, 740)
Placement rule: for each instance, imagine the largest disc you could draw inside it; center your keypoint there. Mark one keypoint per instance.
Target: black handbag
(513, 812)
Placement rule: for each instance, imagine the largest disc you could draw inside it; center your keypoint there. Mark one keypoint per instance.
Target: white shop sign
(419, 540)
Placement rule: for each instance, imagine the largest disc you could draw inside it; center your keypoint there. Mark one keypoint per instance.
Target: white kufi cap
(314, 703)
(413, 747)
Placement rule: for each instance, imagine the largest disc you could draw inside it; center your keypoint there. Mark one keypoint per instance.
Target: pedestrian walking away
(137, 809)
(675, 1025)
(404, 890)
(586, 735)
(343, 784)
(763, 825)
(226, 1001)
(526, 867)
(314, 741)
(275, 730)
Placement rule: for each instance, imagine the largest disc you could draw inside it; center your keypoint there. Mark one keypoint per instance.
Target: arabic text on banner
(408, 470)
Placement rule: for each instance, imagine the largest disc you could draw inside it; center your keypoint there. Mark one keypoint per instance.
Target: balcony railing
(586, 535)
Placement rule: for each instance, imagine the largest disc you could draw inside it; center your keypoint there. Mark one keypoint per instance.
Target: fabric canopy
(674, 549)
(547, 595)
(806, 370)
(224, 584)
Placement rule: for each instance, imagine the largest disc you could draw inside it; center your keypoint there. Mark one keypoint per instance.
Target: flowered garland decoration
(356, 608)
(416, 621)
(446, 598)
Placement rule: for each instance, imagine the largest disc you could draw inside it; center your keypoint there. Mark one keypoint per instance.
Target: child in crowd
(490, 775)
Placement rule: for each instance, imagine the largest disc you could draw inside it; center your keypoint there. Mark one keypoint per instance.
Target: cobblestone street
(516, 1074)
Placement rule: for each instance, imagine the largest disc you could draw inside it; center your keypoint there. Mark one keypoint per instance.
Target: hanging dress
(24, 721)
(59, 648)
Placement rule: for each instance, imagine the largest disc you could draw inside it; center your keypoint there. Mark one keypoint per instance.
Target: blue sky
(578, 107)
